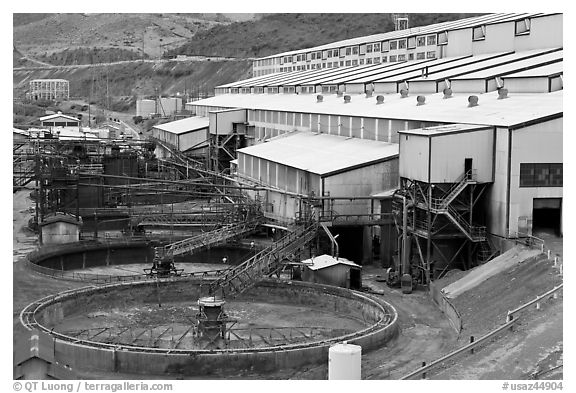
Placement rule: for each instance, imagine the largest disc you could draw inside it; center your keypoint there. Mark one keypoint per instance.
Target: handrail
(510, 320)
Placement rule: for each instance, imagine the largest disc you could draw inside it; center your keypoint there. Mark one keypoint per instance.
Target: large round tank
(344, 361)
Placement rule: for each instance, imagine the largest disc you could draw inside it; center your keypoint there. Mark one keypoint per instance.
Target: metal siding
(345, 126)
(369, 128)
(383, 129)
(414, 156)
(449, 152)
(545, 32)
(314, 122)
(324, 124)
(357, 127)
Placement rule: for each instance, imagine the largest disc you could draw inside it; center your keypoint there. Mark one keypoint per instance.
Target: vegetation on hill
(276, 33)
(91, 56)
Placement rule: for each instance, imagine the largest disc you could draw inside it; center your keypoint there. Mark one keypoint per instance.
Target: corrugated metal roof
(547, 70)
(321, 154)
(516, 109)
(185, 125)
(324, 261)
(519, 65)
(56, 115)
(444, 129)
(420, 30)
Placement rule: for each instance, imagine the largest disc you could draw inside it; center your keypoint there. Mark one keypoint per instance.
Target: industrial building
(49, 89)
(471, 36)
(186, 134)
(59, 120)
(495, 94)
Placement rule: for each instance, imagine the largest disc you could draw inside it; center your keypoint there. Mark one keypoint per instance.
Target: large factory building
(477, 125)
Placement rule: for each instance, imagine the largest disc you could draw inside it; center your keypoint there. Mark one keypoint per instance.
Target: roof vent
(472, 101)
(340, 93)
(502, 93)
(368, 93)
(447, 92)
(347, 99)
(379, 100)
(499, 82)
(319, 98)
(420, 100)
(404, 93)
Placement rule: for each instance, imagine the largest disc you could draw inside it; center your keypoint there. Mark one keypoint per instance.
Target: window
(402, 57)
(348, 62)
(431, 55)
(478, 33)
(385, 46)
(348, 51)
(421, 41)
(402, 44)
(443, 38)
(431, 39)
(540, 175)
(377, 47)
(308, 56)
(368, 61)
(384, 59)
(234, 90)
(354, 50)
(376, 60)
(410, 56)
(411, 42)
(420, 55)
(368, 48)
(341, 63)
(313, 56)
(392, 59)
(361, 61)
(393, 45)
(522, 26)
(329, 54)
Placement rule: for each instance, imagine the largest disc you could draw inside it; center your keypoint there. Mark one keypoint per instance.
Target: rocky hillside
(46, 34)
(275, 33)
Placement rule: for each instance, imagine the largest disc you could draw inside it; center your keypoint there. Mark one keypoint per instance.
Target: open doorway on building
(547, 216)
(355, 279)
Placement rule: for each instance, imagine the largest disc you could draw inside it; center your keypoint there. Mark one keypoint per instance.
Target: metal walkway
(267, 262)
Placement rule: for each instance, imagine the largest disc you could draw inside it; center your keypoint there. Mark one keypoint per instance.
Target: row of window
(522, 27)
(540, 175)
(355, 62)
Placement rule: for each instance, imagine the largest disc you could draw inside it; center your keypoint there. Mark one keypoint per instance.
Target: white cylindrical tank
(344, 361)
(145, 108)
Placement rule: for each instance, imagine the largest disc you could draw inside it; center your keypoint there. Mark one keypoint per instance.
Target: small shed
(34, 359)
(60, 228)
(329, 270)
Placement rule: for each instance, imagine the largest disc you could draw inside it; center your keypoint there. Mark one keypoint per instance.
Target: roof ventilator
(340, 93)
(319, 98)
(420, 100)
(347, 99)
(472, 101)
(502, 93)
(368, 93)
(403, 93)
(447, 92)
(379, 100)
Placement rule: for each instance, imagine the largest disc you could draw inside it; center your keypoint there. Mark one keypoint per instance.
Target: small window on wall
(401, 57)
(420, 55)
(479, 33)
(361, 61)
(354, 50)
(385, 46)
(377, 47)
(348, 51)
(392, 58)
(431, 55)
(354, 62)
(443, 38)
(384, 59)
(376, 60)
(369, 48)
(431, 39)
(411, 42)
(421, 41)
(402, 44)
(523, 27)
(348, 62)
(540, 175)
(393, 45)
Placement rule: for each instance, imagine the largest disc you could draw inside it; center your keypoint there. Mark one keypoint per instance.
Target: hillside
(45, 34)
(276, 33)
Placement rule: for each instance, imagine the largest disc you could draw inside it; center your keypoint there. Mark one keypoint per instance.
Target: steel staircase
(267, 262)
(474, 233)
(464, 180)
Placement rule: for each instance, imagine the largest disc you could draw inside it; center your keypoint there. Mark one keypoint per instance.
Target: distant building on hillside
(49, 89)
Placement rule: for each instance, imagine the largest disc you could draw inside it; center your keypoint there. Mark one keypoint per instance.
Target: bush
(137, 119)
